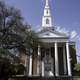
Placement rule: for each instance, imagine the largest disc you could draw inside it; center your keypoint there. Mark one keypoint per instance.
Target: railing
(45, 78)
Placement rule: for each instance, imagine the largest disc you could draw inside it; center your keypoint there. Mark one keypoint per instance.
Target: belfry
(47, 18)
(57, 55)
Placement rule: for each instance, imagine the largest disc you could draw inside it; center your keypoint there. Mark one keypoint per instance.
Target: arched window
(47, 11)
(47, 21)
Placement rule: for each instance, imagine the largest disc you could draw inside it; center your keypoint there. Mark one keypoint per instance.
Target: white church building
(57, 56)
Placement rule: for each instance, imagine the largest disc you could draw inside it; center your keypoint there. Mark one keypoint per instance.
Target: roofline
(72, 43)
(53, 37)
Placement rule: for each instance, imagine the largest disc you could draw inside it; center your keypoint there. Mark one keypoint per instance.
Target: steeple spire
(47, 3)
(47, 18)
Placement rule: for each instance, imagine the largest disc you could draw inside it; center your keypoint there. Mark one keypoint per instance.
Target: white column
(56, 60)
(25, 65)
(25, 60)
(38, 62)
(39, 50)
(68, 59)
(64, 60)
(42, 68)
(30, 65)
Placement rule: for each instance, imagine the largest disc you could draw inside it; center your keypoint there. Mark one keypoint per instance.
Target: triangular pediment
(52, 34)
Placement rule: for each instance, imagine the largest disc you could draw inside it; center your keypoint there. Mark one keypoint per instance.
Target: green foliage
(73, 54)
(8, 69)
(77, 67)
(14, 34)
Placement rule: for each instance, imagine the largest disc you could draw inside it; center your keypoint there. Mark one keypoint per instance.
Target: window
(47, 21)
(47, 11)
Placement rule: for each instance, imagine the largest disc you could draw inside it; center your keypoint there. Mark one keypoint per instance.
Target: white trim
(53, 40)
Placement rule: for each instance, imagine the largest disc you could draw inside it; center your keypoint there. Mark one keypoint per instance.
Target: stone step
(44, 78)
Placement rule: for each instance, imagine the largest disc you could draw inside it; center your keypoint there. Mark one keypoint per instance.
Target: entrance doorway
(48, 63)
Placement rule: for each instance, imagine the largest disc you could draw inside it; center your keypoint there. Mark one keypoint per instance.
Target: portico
(49, 61)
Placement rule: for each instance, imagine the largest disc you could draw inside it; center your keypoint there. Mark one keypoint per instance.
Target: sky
(65, 13)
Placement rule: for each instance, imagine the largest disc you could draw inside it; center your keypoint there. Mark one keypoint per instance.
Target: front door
(48, 64)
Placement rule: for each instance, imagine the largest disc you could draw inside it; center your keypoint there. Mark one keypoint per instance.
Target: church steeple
(47, 18)
(47, 3)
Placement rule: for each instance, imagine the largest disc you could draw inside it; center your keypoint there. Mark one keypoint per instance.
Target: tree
(14, 34)
(10, 26)
(77, 69)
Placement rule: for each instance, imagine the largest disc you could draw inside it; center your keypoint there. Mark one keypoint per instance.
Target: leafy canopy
(14, 35)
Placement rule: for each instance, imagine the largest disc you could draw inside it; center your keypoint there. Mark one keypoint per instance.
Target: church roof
(50, 33)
